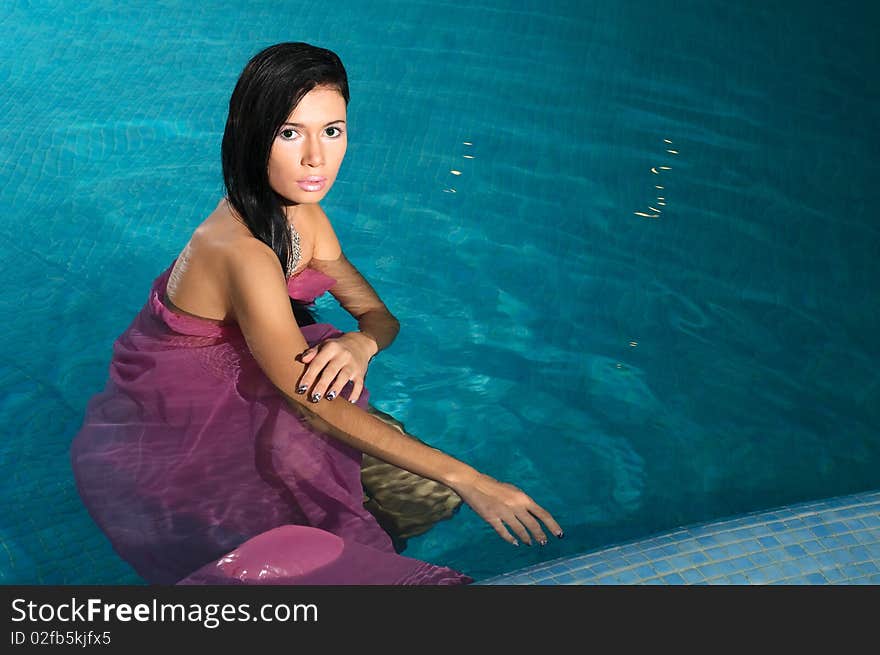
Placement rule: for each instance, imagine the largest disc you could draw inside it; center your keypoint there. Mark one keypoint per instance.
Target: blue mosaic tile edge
(831, 541)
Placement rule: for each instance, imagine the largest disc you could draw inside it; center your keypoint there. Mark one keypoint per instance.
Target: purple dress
(198, 471)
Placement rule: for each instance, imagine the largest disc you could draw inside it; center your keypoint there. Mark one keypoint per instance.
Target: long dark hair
(268, 90)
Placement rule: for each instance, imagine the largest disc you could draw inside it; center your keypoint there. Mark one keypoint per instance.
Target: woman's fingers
(502, 531)
(330, 383)
(330, 366)
(514, 524)
(533, 527)
(507, 508)
(546, 518)
(356, 391)
(321, 371)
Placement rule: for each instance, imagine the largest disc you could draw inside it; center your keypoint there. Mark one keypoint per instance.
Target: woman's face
(309, 147)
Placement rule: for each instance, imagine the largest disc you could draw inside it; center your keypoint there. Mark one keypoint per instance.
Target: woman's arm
(332, 363)
(351, 290)
(359, 299)
(258, 296)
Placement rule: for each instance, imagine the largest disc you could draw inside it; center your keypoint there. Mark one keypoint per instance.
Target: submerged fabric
(190, 460)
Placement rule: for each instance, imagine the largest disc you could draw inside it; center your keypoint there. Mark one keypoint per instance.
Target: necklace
(295, 252)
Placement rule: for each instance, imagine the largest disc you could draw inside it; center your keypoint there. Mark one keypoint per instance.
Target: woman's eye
(336, 129)
(287, 134)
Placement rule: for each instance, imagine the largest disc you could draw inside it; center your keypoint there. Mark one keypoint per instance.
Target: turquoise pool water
(632, 372)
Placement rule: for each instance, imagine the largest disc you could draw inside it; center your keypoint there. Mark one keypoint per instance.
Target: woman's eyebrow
(301, 125)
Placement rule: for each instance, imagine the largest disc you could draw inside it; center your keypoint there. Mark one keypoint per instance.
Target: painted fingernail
(560, 534)
(515, 542)
(331, 395)
(301, 389)
(315, 397)
(542, 542)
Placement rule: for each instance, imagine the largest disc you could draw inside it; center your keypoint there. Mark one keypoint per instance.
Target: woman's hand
(505, 506)
(331, 364)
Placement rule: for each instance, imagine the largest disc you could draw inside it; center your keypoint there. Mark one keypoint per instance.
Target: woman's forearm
(368, 434)
(380, 325)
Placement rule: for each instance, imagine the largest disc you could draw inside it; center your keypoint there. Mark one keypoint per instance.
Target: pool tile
(628, 549)
(668, 550)
(674, 578)
(628, 577)
(757, 575)
(792, 581)
(718, 552)
(708, 540)
(847, 539)
(864, 537)
(645, 571)
(776, 554)
(825, 559)
(854, 524)
(637, 558)
(716, 569)
(850, 571)
(731, 537)
(751, 545)
(760, 558)
(697, 558)
(860, 581)
(795, 551)
(691, 576)
(740, 563)
(795, 536)
(773, 572)
(617, 563)
(868, 568)
(859, 553)
(831, 542)
(795, 524)
(820, 530)
(812, 547)
(790, 569)
(558, 568)
(600, 567)
(662, 566)
(873, 551)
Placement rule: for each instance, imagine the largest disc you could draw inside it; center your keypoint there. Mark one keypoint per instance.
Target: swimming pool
(634, 366)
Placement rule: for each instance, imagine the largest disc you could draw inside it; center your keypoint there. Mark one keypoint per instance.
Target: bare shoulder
(233, 249)
(199, 283)
(248, 258)
(327, 244)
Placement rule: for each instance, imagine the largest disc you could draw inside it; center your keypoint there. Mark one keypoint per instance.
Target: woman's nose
(312, 153)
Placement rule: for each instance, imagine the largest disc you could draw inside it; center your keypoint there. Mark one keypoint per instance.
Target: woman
(217, 452)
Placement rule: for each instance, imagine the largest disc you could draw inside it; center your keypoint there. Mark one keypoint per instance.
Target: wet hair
(270, 87)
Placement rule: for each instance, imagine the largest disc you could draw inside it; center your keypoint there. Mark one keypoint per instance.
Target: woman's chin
(302, 198)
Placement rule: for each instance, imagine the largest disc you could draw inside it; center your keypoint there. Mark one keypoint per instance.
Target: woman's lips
(312, 183)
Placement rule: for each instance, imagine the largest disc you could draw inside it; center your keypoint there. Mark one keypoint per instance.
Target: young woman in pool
(227, 444)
